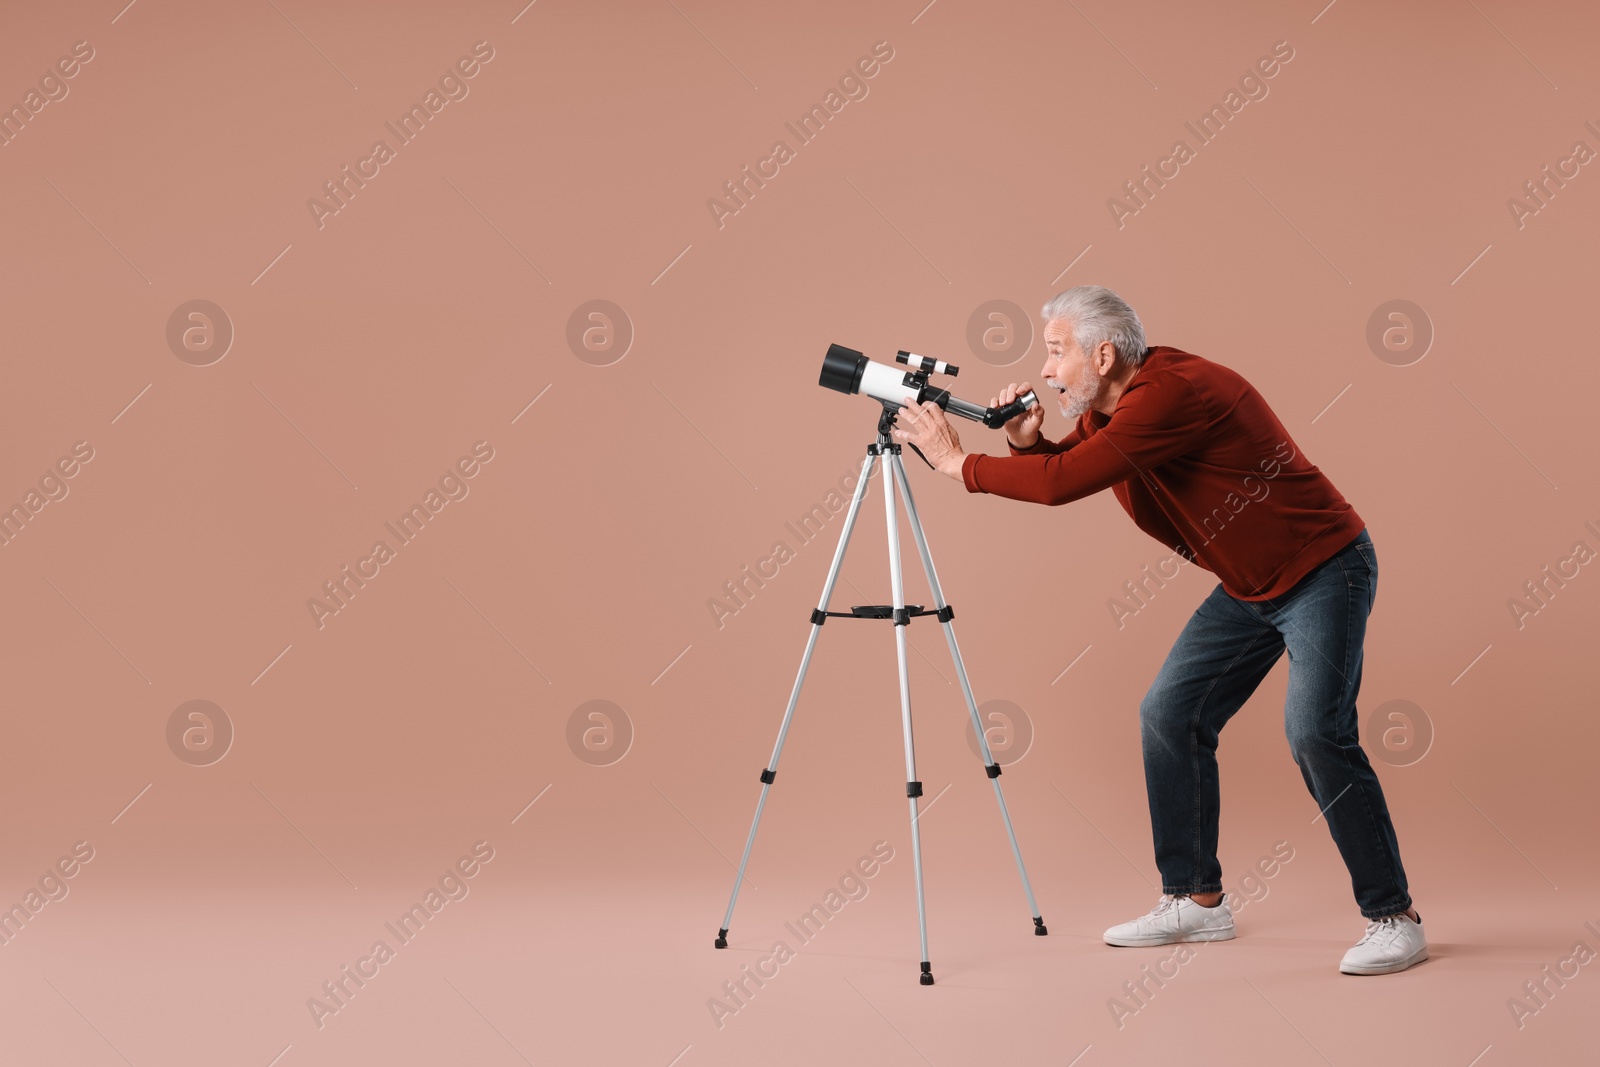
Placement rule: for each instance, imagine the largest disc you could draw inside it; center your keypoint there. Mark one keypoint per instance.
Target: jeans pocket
(1370, 557)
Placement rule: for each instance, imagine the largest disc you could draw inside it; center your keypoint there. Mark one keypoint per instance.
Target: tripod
(887, 453)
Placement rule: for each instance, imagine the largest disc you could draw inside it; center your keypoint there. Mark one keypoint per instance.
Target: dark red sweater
(1199, 462)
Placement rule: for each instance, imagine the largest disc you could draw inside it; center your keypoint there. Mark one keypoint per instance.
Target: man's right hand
(1022, 431)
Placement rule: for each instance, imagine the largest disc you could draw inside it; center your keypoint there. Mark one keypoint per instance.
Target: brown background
(425, 716)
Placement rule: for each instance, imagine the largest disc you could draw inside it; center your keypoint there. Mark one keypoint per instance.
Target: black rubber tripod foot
(927, 973)
(722, 938)
(1038, 926)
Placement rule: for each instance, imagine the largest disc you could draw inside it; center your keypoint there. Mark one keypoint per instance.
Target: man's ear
(1105, 357)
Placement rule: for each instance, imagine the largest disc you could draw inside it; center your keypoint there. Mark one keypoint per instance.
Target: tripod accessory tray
(884, 611)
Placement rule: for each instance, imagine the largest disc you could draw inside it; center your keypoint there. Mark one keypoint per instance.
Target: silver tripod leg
(991, 768)
(794, 695)
(901, 620)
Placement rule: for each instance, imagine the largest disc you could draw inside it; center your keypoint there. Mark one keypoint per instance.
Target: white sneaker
(1390, 944)
(1174, 919)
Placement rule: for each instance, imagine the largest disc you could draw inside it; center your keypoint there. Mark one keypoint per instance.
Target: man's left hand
(925, 426)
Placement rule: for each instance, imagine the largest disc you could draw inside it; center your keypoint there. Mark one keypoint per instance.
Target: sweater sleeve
(1046, 447)
(1155, 420)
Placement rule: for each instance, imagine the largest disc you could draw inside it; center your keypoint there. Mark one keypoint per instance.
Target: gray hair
(1097, 314)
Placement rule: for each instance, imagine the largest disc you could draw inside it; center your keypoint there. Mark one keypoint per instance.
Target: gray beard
(1073, 405)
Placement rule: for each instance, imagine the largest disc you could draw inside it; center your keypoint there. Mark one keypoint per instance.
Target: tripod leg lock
(902, 617)
(992, 770)
(946, 613)
(913, 789)
(767, 775)
(818, 616)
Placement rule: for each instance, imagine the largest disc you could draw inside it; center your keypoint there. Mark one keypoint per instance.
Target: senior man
(1200, 462)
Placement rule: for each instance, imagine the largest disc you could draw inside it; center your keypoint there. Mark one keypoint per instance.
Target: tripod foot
(1038, 926)
(927, 973)
(722, 938)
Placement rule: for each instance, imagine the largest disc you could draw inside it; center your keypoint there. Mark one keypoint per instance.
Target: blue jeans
(1224, 651)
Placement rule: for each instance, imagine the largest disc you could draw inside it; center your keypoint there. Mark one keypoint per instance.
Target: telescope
(847, 371)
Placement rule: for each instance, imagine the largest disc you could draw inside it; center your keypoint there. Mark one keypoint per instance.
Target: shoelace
(1388, 927)
(1165, 904)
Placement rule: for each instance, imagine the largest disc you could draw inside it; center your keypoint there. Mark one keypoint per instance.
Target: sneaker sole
(1386, 968)
(1192, 935)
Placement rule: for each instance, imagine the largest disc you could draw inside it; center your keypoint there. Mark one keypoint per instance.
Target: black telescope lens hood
(842, 369)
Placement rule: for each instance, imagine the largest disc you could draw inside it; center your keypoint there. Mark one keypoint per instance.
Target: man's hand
(925, 426)
(1022, 431)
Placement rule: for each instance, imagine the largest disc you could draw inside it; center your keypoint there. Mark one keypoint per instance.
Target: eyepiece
(994, 418)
